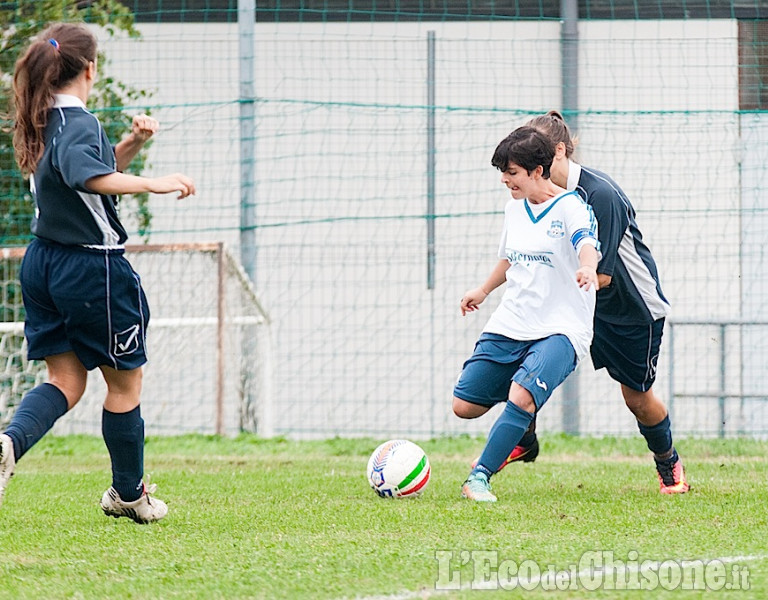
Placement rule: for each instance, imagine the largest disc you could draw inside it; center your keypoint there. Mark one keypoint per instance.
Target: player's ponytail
(56, 57)
(553, 125)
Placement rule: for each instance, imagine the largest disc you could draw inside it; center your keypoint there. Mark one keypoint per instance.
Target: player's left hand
(586, 277)
(144, 127)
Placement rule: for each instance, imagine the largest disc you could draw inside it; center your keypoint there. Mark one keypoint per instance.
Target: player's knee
(123, 383)
(522, 398)
(467, 410)
(72, 388)
(636, 400)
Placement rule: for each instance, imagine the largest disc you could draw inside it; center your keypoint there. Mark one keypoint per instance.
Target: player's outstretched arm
(123, 183)
(473, 298)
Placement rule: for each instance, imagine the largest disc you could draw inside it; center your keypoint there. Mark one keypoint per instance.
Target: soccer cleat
(7, 463)
(144, 510)
(477, 488)
(672, 477)
(519, 453)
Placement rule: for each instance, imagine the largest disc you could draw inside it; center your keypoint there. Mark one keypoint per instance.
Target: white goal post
(209, 345)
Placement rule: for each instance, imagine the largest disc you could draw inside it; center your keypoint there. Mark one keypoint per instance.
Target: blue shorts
(537, 365)
(86, 301)
(629, 352)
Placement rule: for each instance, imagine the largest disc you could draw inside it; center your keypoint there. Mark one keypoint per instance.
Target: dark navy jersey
(634, 295)
(76, 149)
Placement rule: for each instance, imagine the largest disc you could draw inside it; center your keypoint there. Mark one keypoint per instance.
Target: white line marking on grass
(534, 581)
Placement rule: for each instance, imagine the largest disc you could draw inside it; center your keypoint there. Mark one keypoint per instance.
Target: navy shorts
(537, 365)
(87, 301)
(629, 352)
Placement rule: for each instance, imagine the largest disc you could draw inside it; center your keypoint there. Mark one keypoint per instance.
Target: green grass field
(253, 518)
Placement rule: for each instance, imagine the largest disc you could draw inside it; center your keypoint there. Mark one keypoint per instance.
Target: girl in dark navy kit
(85, 307)
(631, 307)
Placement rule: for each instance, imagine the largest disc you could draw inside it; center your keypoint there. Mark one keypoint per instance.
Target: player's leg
(123, 432)
(120, 359)
(47, 340)
(545, 365)
(654, 424)
(39, 410)
(527, 448)
(630, 354)
(484, 378)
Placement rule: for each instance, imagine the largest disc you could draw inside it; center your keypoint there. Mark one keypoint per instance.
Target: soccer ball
(398, 469)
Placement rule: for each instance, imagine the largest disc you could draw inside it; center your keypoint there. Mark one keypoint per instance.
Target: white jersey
(542, 298)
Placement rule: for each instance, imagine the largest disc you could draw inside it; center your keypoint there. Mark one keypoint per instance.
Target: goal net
(208, 341)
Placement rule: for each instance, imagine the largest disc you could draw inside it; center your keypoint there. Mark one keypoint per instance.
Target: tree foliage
(21, 20)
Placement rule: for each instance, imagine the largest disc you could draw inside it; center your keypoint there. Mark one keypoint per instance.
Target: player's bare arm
(473, 298)
(123, 183)
(586, 275)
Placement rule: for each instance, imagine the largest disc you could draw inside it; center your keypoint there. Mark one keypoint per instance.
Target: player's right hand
(471, 300)
(177, 182)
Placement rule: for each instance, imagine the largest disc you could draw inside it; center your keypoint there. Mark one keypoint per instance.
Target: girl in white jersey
(548, 258)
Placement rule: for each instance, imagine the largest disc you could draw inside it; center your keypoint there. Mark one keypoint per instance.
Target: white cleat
(7, 463)
(144, 510)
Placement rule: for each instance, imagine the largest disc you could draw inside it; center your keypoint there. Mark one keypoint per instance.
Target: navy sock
(124, 436)
(658, 437)
(40, 408)
(504, 436)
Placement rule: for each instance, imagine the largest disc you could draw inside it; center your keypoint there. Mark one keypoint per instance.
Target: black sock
(658, 437)
(124, 436)
(39, 410)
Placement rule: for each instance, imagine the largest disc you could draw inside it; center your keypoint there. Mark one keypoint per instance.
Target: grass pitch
(253, 518)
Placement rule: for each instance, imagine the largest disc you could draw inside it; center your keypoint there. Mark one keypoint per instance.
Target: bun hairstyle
(553, 125)
(52, 60)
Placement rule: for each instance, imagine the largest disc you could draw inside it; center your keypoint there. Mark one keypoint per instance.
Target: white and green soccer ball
(398, 469)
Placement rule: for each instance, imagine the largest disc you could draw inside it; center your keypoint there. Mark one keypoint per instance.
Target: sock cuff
(126, 416)
(54, 395)
(658, 437)
(662, 425)
(518, 416)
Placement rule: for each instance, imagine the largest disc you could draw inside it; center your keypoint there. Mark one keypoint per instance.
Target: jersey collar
(67, 101)
(542, 214)
(574, 172)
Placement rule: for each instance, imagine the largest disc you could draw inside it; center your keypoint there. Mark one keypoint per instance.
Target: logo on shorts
(652, 369)
(556, 229)
(541, 384)
(127, 342)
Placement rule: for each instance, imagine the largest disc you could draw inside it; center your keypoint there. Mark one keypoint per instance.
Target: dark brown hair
(527, 147)
(555, 128)
(53, 59)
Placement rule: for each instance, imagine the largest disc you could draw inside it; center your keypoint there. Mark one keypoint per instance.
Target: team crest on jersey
(556, 229)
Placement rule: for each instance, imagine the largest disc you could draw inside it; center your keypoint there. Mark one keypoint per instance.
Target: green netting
(312, 149)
